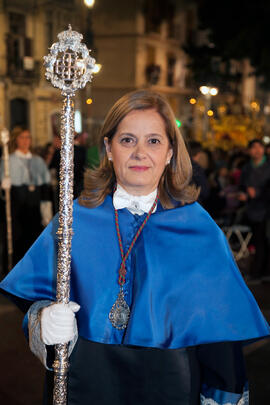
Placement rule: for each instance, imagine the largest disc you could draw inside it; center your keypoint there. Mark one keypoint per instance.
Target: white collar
(136, 204)
(20, 154)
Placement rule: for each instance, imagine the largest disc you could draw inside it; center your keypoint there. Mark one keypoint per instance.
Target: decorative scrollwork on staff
(69, 67)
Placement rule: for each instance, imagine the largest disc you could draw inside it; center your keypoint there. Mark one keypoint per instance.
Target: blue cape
(182, 285)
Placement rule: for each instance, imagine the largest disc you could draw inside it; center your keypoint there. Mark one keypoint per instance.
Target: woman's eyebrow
(127, 134)
(146, 135)
(155, 134)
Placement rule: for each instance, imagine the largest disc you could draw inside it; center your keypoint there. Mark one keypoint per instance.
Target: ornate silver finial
(69, 65)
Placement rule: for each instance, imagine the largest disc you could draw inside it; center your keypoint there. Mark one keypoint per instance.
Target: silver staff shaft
(5, 139)
(64, 233)
(69, 67)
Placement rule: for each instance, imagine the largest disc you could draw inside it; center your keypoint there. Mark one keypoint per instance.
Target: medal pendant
(119, 314)
(31, 188)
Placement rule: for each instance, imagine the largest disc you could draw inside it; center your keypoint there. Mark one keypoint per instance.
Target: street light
(204, 90)
(213, 91)
(89, 3)
(207, 92)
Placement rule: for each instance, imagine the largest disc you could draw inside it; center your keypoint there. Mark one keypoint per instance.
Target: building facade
(27, 29)
(140, 45)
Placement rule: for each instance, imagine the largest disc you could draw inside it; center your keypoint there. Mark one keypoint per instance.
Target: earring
(110, 159)
(168, 162)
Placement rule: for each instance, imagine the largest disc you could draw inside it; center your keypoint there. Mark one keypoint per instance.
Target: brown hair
(175, 180)
(16, 131)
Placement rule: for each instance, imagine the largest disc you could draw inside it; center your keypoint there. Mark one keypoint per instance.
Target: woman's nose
(139, 152)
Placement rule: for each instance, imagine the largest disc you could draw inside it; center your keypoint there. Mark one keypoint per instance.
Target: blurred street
(20, 366)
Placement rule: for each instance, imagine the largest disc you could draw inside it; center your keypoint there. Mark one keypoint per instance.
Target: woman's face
(139, 151)
(24, 141)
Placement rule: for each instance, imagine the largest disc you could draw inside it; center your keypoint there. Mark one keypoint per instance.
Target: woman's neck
(24, 151)
(134, 191)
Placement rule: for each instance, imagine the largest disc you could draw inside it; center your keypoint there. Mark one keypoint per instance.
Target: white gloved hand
(58, 323)
(6, 183)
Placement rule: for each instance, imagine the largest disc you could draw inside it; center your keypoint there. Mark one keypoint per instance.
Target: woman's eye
(154, 141)
(127, 140)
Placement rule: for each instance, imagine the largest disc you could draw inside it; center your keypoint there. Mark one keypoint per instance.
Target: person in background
(267, 151)
(199, 177)
(29, 182)
(79, 165)
(236, 163)
(47, 153)
(218, 181)
(255, 190)
(220, 158)
(229, 192)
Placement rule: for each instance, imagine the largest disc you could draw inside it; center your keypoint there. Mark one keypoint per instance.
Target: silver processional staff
(69, 67)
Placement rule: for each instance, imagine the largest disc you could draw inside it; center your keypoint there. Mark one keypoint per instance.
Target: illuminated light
(89, 101)
(78, 121)
(204, 90)
(178, 123)
(97, 68)
(210, 113)
(266, 140)
(193, 101)
(255, 106)
(222, 109)
(89, 3)
(267, 109)
(213, 91)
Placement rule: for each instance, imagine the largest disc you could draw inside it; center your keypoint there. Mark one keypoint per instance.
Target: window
(170, 70)
(17, 24)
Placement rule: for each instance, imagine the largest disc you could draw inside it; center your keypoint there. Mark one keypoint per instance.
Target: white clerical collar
(136, 204)
(20, 154)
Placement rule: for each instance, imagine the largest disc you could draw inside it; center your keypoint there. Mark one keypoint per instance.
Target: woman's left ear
(108, 148)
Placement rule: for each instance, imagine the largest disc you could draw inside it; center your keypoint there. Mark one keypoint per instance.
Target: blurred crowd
(234, 189)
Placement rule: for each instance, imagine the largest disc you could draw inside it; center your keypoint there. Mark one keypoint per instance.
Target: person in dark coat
(198, 174)
(255, 185)
(79, 167)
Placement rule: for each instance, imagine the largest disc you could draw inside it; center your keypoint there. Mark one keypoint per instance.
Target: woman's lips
(139, 168)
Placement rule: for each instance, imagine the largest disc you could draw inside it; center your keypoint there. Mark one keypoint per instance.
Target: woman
(29, 182)
(161, 309)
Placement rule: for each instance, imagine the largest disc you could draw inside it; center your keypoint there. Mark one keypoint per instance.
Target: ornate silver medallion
(119, 314)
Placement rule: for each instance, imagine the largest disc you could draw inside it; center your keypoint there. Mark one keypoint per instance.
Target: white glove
(46, 212)
(6, 183)
(58, 323)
